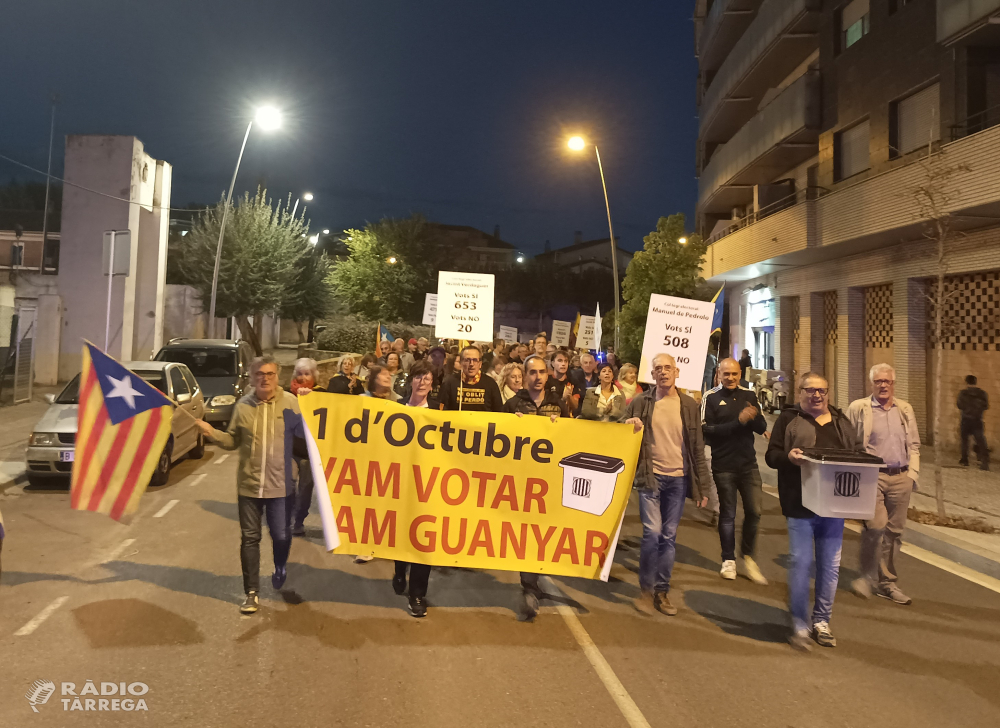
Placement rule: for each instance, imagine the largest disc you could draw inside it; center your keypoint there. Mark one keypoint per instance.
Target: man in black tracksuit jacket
(731, 417)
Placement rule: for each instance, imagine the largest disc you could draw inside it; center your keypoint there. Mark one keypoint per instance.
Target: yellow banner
(469, 489)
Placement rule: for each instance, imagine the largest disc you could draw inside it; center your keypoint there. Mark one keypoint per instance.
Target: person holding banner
(534, 399)
(671, 461)
(468, 390)
(421, 383)
(262, 428)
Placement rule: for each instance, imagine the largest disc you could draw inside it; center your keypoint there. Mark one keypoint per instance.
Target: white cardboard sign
(560, 332)
(508, 334)
(430, 309)
(464, 306)
(680, 327)
(598, 328)
(585, 336)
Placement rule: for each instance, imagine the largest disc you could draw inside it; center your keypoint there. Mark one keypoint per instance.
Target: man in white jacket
(887, 427)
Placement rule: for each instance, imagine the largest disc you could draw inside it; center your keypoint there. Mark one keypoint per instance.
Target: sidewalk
(18, 421)
(970, 493)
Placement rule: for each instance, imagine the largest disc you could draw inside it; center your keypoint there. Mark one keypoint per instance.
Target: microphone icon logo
(40, 692)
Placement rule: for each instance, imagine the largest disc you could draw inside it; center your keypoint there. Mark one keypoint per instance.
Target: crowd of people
(689, 450)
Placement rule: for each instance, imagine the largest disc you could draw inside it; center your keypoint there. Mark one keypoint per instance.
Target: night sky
(458, 109)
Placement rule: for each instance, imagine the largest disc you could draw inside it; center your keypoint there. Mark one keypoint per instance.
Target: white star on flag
(123, 388)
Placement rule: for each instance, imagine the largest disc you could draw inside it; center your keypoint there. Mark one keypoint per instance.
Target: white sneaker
(363, 559)
(753, 571)
(823, 636)
(728, 570)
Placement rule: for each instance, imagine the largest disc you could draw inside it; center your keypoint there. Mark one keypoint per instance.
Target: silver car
(51, 445)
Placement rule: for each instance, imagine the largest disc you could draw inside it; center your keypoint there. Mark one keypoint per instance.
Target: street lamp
(307, 196)
(392, 260)
(268, 118)
(682, 241)
(326, 231)
(577, 144)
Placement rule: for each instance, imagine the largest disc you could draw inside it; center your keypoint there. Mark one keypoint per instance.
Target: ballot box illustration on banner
(840, 483)
(589, 481)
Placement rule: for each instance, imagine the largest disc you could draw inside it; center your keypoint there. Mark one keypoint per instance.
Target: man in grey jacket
(671, 461)
(263, 427)
(887, 427)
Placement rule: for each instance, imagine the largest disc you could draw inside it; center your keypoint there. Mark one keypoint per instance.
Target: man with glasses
(471, 391)
(671, 460)
(886, 427)
(812, 423)
(262, 428)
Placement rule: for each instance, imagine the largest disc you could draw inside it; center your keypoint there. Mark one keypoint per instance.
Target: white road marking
(117, 551)
(197, 479)
(619, 694)
(37, 620)
(166, 509)
(221, 459)
(929, 557)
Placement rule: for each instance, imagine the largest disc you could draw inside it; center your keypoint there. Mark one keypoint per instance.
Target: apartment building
(820, 123)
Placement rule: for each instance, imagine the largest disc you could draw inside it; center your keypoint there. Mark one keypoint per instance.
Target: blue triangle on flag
(125, 393)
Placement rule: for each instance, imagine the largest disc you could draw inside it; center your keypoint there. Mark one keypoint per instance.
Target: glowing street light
(577, 144)
(269, 119)
(308, 196)
(682, 241)
(326, 231)
(520, 259)
(314, 238)
(392, 260)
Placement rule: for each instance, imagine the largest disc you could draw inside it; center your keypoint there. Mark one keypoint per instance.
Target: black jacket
(524, 404)
(483, 396)
(972, 401)
(731, 441)
(796, 429)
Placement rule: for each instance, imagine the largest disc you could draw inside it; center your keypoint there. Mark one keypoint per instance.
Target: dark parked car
(222, 368)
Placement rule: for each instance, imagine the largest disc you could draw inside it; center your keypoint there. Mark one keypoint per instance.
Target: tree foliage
(391, 265)
(262, 252)
(310, 295)
(663, 266)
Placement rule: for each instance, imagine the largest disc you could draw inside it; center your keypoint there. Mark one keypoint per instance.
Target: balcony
(780, 38)
(972, 22)
(782, 135)
(876, 212)
(722, 27)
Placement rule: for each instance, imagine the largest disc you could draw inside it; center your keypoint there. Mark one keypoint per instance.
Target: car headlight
(43, 439)
(222, 400)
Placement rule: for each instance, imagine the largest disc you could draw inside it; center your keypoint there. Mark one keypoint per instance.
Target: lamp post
(268, 118)
(306, 196)
(577, 144)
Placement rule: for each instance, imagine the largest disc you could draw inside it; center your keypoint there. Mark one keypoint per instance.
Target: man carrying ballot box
(812, 423)
(887, 427)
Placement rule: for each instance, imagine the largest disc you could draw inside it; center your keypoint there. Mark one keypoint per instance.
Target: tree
(664, 266)
(391, 265)
(935, 194)
(262, 247)
(310, 295)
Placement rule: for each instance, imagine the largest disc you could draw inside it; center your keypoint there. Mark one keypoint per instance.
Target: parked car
(51, 446)
(222, 368)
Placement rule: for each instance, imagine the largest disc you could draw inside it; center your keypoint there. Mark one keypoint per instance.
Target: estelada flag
(123, 424)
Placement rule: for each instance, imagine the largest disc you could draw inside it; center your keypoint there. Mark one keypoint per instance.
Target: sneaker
(728, 570)
(753, 571)
(529, 606)
(662, 603)
(800, 640)
(399, 584)
(893, 593)
(279, 576)
(644, 603)
(823, 636)
(299, 530)
(418, 607)
(250, 604)
(862, 587)
(364, 559)
(963, 462)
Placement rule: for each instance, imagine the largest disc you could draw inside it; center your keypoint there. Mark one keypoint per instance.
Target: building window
(850, 149)
(914, 120)
(854, 24)
(895, 5)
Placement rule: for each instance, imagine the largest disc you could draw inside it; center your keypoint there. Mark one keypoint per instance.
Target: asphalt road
(157, 602)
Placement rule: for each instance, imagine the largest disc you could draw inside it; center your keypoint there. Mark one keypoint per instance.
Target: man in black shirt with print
(471, 392)
(731, 418)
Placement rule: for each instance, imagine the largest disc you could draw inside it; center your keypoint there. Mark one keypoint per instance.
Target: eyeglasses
(266, 375)
(472, 361)
(812, 391)
(883, 382)
(667, 368)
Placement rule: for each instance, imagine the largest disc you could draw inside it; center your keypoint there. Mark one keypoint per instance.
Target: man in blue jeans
(671, 461)
(812, 423)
